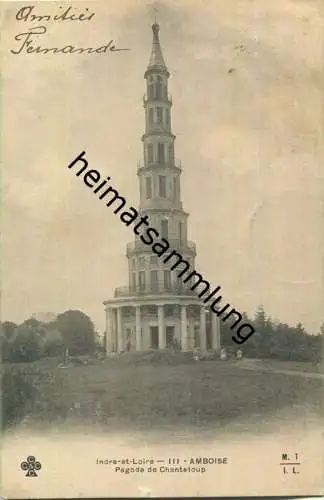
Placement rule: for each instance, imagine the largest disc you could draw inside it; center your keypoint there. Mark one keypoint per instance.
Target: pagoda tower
(157, 310)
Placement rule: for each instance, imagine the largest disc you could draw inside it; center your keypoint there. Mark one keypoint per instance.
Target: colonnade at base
(135, 328)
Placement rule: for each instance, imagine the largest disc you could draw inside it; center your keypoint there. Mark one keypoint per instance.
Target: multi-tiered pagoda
(157, 310)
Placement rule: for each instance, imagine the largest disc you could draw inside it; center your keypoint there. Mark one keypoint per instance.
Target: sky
(246, 83)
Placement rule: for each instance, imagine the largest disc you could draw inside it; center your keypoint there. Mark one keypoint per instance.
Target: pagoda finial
(156, 58)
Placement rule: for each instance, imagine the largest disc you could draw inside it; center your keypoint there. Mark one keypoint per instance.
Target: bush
(53, 348)
(19, 393)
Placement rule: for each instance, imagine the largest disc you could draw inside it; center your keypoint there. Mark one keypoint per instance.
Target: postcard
(162, 248)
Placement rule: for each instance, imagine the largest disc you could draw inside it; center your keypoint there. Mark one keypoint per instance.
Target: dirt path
(257, 365)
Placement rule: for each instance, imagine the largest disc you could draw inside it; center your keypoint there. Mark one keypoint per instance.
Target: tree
(32, 322)
(77, 331)
(39, 327)
(26, 345)
(266, 339)
(7, 334)
(8, 329)
(300, 329)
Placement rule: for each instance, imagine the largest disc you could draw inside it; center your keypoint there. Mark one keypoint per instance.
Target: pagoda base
(159, 322)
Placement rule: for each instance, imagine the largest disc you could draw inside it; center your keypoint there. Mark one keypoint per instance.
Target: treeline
(277, 340)
(23, 385)
(74, 330)
(33, 339)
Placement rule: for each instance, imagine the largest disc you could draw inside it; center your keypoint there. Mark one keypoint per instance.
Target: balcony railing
(174, 163)
(125, 291)
(139, 246)
(160, 98)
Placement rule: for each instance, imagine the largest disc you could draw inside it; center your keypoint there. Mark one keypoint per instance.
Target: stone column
(120, 339)
(203, 335)
(184, 329)
(161, 327)
(215, 324)
(138, 328)
(113, 329)
(109, 332)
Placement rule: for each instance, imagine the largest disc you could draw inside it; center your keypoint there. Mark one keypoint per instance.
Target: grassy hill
(160, 389)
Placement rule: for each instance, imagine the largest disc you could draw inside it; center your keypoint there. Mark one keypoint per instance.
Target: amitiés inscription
(27, 39)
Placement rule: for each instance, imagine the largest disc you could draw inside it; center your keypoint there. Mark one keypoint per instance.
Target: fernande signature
(28, 44)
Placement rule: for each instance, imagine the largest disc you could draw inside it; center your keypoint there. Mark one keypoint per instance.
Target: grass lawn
(138, 392)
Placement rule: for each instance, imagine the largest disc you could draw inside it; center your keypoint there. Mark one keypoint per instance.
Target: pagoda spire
(156, 58)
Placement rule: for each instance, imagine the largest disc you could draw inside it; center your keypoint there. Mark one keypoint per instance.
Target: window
(161, 155)
(141, 261)
(153, 259)
(165, 229)
(175, 185)
(158, 90)
(167, 116)
(152, 310)
(171, 154)
(150, 153)
(179, 282)
(181, 232)
(169, 310)
(133, 281)
(150, 116)
(148, 181)
(154, 281)
(167, 280)
(133, 263)
(150, 91)
(162, 186)
(141, 280)
(159, 115)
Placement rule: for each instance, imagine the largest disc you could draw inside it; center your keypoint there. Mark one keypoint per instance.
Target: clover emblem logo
(31, 465)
